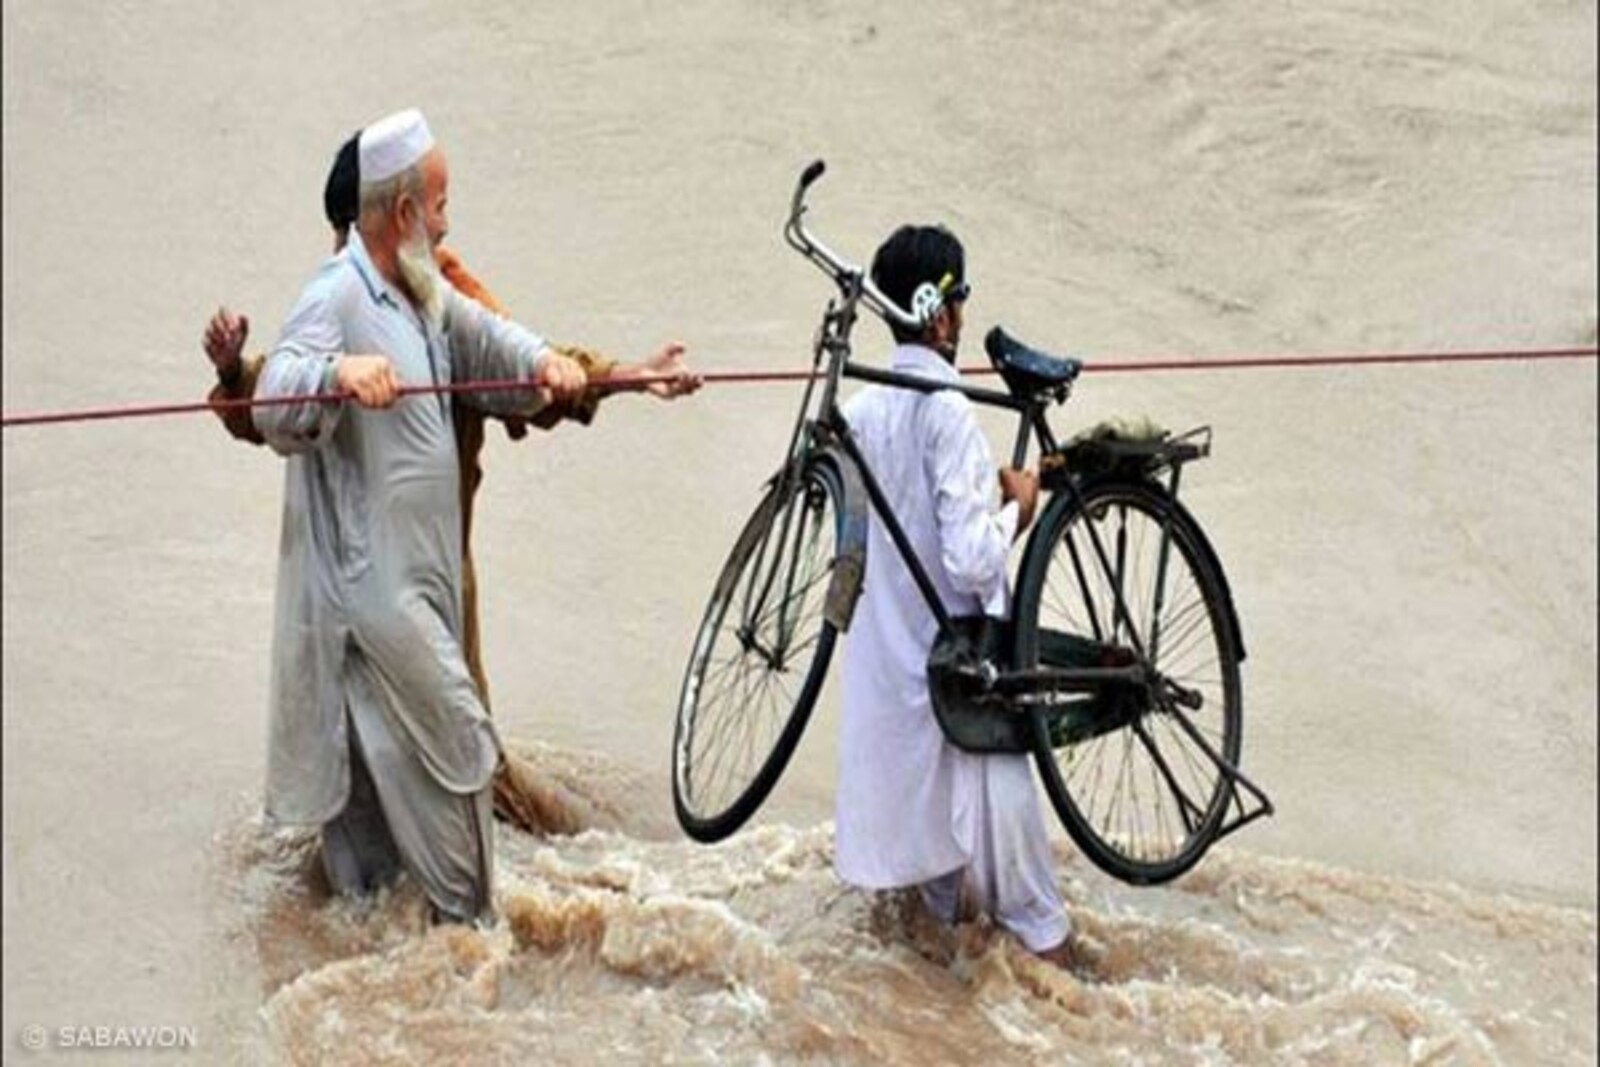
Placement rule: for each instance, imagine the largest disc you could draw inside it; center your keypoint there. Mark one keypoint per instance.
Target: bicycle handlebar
(831, 263)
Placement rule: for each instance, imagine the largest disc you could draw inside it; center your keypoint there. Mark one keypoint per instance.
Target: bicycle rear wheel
(1143, 799)
(759, 659)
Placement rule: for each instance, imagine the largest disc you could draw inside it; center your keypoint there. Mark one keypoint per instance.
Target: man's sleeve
(485, 347)
(301, 365)
(975, 532)
(547, 416)
(582, 410)
(236, 418)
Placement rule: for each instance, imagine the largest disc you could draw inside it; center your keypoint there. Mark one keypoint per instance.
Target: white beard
(421, 272)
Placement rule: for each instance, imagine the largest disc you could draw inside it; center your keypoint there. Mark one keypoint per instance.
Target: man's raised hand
(224, 343)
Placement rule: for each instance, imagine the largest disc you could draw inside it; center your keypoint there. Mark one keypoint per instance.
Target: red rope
(754, 377)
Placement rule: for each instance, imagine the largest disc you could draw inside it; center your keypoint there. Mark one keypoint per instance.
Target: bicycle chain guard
(977, 712)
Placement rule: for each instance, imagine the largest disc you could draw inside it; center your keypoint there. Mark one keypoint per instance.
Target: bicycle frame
(829, 429)
(827, 432)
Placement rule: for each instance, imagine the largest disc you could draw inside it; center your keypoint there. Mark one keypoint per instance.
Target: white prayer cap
(394, 143)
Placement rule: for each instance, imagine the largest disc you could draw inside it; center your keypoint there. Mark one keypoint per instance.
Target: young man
(912, 809)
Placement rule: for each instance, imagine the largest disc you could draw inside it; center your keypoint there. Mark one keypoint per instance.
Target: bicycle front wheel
(1138, 793)
(759, 659)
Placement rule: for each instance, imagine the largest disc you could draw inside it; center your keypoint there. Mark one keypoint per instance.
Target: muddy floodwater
(1412, 549)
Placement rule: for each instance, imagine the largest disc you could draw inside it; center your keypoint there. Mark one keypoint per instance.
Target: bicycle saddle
(1025, 370)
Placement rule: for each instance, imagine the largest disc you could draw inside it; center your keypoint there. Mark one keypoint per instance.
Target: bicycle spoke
(737, 672)
(1164, 782)
(716, 742)
(809, 642)
(1202, 774)
(1081, 573)
(799, 595)
(1191, 622)
(1124, 794)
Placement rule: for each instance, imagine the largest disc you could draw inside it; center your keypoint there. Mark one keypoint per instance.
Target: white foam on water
(610, 945)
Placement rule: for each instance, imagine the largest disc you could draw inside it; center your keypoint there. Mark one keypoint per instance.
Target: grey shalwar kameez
(377, 731)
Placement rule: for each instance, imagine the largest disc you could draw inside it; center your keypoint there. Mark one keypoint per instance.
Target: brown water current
(614, 945)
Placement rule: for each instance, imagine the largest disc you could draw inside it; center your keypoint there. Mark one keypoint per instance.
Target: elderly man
(378, 732)
(519, 797)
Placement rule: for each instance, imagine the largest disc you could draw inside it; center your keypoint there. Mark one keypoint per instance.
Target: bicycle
(1119, 669)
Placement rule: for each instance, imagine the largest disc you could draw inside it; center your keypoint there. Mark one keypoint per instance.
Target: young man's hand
(668, 363)
(666, 374)
(1023, 487)
(370, 379)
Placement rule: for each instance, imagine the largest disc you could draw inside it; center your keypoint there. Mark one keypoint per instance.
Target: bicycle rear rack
(1107, 450)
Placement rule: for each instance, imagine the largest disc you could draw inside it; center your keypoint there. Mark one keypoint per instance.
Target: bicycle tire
(1138, 831)
(725, 732)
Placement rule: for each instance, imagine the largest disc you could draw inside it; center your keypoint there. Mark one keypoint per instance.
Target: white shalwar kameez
(912, 809)
(377, 731)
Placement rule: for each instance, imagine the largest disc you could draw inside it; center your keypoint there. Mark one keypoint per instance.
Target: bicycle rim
(1143, 801)
(759, 659)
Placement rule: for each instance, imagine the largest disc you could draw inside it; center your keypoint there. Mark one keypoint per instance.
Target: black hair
(913, 255)
(341, 197)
